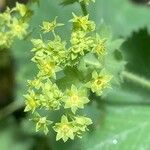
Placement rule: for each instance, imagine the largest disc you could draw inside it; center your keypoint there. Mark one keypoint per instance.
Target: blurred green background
(121, 121)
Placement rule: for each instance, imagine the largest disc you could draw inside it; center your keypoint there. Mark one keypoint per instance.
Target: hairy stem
(137, 79)
(84, 9)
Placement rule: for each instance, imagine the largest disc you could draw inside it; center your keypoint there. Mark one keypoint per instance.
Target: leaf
(136, 52)
(123, 16)
(104, 30)
(114, 61)
(125, 123)
(122, 128)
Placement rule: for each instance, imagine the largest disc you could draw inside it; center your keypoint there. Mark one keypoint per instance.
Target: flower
(47, 68)
(5, 17)
(57, 50)
(64, 129)
(81, 123)
(6, 39)
(80, 44)
(42, 123)
(38, 44)
(99, 46)
(99, 82)
(51, 96)
(22, 9)
(50, 26)
(75, 98)
(31, 101)
(36, 83)
(18, 28)
(82, 23)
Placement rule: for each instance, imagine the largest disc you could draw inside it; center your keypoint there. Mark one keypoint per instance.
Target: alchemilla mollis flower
(75, 98)
(64, 129)
(99, 82)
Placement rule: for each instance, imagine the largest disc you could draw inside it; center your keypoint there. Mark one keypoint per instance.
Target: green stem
(137, 79)
(11, 108)
(84, 9)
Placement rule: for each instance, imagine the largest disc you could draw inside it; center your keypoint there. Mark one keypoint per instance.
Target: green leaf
(125, 123)
(136, 52)
(123, 16)
(121, 128)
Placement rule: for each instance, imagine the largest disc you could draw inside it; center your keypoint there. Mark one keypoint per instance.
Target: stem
(137, 79)
(11, 108)
(84, 9)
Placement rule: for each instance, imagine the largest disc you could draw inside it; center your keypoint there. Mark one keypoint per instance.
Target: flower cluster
(13, 24)
(51, 89)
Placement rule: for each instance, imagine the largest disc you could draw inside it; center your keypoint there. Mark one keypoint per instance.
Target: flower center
(65, 129)
(18, 28)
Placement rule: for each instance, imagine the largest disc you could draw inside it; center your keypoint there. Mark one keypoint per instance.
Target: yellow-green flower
(57, 50)
(50, 26)
(6, 39)
(18, 28)
(99, 82)
(81, 123)
(82, 23)
(64, 129)
(38, 44)
(75, 98)
(47, 68)
(5, 17)
(42, 123)
(31, 101)
(22, 9)
(80, 44)
(36, 83)
(99, 46)
(51, 96)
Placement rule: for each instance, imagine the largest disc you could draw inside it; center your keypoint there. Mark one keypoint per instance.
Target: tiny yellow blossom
(42, 123)
(80, 44)
(22, 9)
(64, 129)
(99, 46)
(36, 83)
(31, 101)
(18, 28)
(82, 23)
(47, 68)
(99, 82)
(5, 17)
(75, 98)
(6, 39)
(81, 124)
(50, 26)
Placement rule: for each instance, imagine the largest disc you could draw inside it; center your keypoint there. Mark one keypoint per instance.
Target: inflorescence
(47, 94)
(14, 24)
